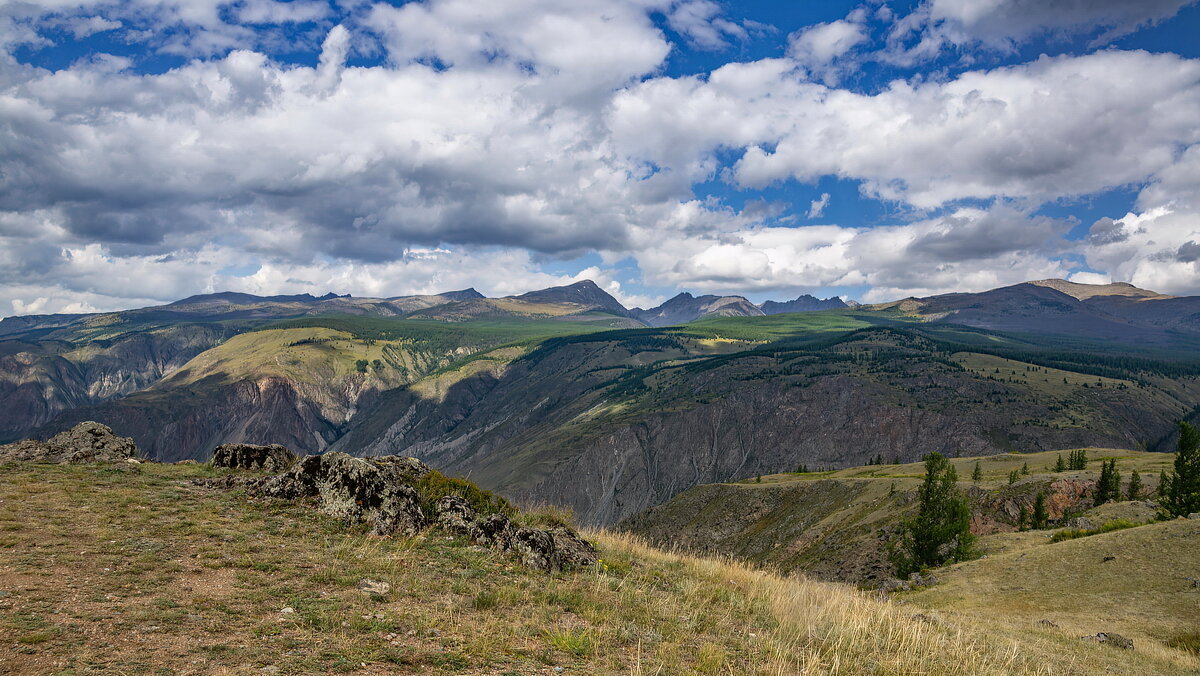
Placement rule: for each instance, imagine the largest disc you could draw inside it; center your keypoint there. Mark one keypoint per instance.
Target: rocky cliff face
(41, 379)
(570, 425)
(804, 303)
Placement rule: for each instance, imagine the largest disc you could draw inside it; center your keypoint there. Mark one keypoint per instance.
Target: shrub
(1189, 642)
(1073, 533)
(435, 485)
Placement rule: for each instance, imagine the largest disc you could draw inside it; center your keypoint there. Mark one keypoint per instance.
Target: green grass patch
(1075, 533)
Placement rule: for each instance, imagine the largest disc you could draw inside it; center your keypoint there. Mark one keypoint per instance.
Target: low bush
(1074, 533)
(435, 485)
(1189, 642)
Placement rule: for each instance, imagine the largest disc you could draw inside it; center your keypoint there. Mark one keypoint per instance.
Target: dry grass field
(130, 569)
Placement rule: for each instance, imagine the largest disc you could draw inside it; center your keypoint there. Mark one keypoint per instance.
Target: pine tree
(1040, 518)
(1060, 466)
(1025, 469)
(1023, 519)
(1183, 496)
(941, 531)
(1164, 486)
(1135, 486)
(1081, 460)
(1108, 488)
(977, 475)
(1013, 476)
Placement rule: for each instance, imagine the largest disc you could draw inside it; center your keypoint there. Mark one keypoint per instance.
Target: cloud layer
(482, 141)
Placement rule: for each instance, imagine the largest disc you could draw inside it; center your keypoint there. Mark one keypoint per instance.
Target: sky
(155, 149)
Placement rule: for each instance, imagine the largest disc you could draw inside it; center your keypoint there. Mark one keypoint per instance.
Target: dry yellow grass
(133, 570)
(828, 628)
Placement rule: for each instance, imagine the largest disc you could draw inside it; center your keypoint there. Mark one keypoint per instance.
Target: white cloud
(1003, 24)
(969, 249)
(497, 129)
(1037, 131)
(819, 46)
(817, 207)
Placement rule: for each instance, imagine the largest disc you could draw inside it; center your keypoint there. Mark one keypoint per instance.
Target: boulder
(409, 469)
(546, 550)
(83, 443)
(354, 489)
(272, 458)
(1081, 523)
(456, 516)
(1110, 639)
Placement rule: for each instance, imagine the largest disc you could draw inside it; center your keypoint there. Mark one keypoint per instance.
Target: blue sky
(875, 150)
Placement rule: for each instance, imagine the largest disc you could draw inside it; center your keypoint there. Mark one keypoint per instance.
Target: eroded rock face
(355, 489)
(546, 550)
(273, 458)
(85, 442)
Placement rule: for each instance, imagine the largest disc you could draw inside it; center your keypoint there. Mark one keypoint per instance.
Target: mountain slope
(836, 524)
(1119, 312)
(804, 303)
(685, 308)
(610, 424)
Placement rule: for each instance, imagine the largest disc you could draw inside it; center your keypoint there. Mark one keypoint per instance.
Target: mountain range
(563, 395)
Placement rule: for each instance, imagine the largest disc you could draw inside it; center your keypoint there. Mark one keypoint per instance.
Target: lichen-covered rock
(272, 458)
(409, 469)
(456, 516)
(546, 550)
(85, 442)
(354, 489)
(572, 549)
(494, 531)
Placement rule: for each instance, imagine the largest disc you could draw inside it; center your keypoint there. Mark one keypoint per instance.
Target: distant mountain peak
(586, 293)
(1080, 291)
(236, 297)
(685, 307)
(802, 303)
(464, 294)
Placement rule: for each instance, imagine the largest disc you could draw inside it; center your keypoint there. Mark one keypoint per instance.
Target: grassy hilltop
(131, 569)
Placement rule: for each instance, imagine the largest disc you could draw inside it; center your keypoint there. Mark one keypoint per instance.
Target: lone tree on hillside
(1108, 488)
(1040, 518)
(941, 531)
(1182, 493)
(1135, 486)
(977, 474)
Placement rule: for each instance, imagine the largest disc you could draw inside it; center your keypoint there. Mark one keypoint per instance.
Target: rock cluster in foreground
(381, 491)
(272, 458)
(85, 442)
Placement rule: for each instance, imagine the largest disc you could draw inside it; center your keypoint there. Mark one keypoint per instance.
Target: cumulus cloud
(494, 136)
(967, 249)
(1052, 127)
(1003, 24)
(819, 47)
(817, 207)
